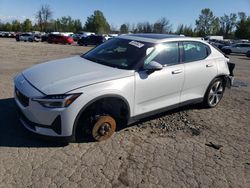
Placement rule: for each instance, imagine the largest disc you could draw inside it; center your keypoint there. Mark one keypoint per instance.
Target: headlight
(57, 101)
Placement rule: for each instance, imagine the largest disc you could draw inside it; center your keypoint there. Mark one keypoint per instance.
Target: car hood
(63, 75)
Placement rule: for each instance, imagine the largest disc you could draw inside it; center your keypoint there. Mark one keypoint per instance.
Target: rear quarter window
(195, 51)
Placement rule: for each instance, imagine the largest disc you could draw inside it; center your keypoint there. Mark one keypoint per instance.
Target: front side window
(119, 53)
(195, 51)
(165, 54)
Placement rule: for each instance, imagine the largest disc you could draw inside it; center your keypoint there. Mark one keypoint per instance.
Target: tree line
(230, 26)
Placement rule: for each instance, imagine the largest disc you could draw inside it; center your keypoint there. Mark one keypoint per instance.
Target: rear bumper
(230, 77)
(229, 81)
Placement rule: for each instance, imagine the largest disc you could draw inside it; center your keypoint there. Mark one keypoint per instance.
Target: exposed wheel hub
(104, 128)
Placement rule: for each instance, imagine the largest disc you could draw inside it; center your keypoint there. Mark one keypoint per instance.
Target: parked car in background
(241, 48)
(119, 82)
(69, 34)
(91, 40)
(82, 34)
(17, 37)
(113, 35)
(44, 37)
(220, 44)
(28, 37)
(37, 38)
(107, 37)
(209, 38)
(248, 54)
(57, 38)
(5, 34)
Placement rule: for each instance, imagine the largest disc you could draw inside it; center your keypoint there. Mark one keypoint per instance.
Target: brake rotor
(104, 128)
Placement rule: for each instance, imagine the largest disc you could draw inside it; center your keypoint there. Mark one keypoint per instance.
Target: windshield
(119, 53)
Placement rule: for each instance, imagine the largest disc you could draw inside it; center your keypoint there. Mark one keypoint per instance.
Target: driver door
(162, 88)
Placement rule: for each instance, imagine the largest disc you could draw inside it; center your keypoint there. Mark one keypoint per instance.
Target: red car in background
(52, 38)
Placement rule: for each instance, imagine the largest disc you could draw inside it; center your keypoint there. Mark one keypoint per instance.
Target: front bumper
(56, 122)
(56, 126)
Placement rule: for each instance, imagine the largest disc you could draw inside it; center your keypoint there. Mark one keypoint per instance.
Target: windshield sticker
(136, 44)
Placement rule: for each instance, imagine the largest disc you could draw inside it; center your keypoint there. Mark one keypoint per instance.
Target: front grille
(22, 98)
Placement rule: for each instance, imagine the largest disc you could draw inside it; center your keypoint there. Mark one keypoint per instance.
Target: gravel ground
(187, 147)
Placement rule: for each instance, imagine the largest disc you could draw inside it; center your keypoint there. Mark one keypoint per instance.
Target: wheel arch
(224, 77)
(91, 102)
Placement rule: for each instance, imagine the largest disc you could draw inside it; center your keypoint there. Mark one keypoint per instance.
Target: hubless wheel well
(118, 102)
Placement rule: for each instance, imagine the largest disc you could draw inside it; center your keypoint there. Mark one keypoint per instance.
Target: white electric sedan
(119, 82)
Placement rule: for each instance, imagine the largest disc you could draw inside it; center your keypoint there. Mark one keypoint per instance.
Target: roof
(150, 37)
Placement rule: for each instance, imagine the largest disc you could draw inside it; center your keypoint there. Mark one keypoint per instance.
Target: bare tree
(43, 16)
(162, 26)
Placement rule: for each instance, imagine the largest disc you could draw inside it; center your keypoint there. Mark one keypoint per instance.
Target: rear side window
(245, 45)
(165, 54)
(194, 51)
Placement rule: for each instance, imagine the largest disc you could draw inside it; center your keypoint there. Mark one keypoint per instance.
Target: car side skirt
(165, 109)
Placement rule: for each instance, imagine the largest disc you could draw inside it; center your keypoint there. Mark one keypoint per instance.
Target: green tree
(180, 29)
(77, 25)
(227, 25)
(243, 27)
(216, 26)
(57, 25)
(207, 23)
(97, 23)
(27, 25)
(16, 25)
(144, 27)
(67, 24)
(124, 28)
(185, 30)
(7, 27)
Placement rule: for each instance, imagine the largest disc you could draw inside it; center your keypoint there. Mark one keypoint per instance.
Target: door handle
(177, 71)
(209, 65)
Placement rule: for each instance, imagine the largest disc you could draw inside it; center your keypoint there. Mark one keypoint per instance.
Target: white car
(27, 37)
(119, 82)
(241, 48)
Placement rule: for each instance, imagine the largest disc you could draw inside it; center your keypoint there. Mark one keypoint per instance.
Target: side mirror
(153, 66)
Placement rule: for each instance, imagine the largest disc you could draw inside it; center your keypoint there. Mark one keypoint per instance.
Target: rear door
(59, 39)
(200, 69)
(245, 48)
(237, 48)
(87, 40)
